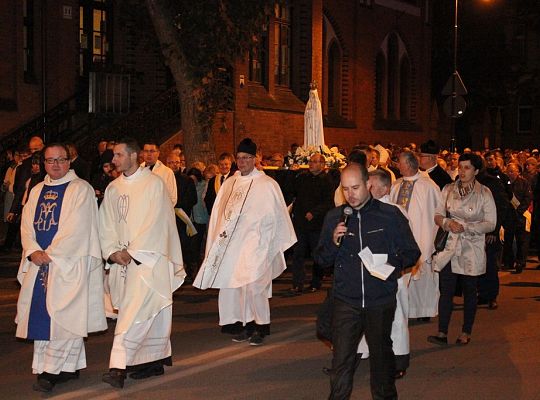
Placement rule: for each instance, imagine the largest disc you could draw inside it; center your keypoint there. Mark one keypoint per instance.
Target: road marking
(193, 365)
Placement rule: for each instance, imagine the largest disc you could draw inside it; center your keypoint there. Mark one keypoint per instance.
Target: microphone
(347, 212)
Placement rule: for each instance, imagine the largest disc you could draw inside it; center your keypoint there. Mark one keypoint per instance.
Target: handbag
(440, 239)
(442, 236)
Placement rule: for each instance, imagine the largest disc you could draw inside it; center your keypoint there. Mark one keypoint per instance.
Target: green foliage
(213, 34)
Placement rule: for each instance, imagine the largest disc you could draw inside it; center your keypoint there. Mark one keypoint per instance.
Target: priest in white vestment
(140, 242)
(150, 154)
(248, 232)
(419, 196)
(61, 272)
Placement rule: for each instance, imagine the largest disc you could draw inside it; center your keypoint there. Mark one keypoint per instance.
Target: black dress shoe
(115, 377)
(493, 305)
(152, 370)
(424, 319)
(400, 374)
(45, 382)
(441, 341)
(312, 289)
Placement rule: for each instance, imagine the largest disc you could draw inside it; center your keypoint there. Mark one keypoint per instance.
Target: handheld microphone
(347, 212)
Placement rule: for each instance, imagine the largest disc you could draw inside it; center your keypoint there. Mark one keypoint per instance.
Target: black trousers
(522, 245)
(306, 240)
(447, 288)
(488, 284)
(348, 324)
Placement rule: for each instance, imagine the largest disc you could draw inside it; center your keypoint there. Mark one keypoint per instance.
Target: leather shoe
(45, 382)
(441, 341)
(115, 377)
(493, 305)
(400, 374)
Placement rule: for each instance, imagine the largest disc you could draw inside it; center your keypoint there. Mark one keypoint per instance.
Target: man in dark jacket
(523, 194)
(364, 303)
(313, 197)
(488, 283)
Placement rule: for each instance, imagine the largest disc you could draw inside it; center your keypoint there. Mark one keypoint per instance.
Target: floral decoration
(332, 156)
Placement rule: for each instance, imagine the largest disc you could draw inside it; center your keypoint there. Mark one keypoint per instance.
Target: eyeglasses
(60, 160)
(244, 158)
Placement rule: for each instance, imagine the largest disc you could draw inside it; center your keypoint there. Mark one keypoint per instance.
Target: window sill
(283, 99)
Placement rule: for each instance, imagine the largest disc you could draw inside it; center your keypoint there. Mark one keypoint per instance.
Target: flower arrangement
(334, 159)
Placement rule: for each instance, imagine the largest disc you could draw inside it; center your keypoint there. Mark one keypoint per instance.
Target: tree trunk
(197, 143)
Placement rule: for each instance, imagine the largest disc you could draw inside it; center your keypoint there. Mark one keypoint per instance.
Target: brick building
(370, 59)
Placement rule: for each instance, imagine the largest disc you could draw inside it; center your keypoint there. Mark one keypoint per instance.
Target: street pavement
(502, 360)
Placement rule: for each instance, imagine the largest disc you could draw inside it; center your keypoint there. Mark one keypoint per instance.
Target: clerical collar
(412, 178)
(431, 168)
(134, 175)
(66, 178)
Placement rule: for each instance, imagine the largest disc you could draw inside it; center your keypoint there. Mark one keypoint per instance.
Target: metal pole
(44, 68)
(454, 77)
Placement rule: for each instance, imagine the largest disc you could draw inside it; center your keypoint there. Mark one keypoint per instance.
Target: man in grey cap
(248, 232)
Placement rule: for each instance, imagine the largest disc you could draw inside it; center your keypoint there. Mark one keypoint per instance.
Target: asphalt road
(501, 362)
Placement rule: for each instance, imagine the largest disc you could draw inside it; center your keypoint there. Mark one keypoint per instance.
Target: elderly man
(364, 303)
(61, 273)
(313, 197)
(248, 232)
(419, 196)
(521, 202)
(225, 162)
(151, 160)
(140, 242)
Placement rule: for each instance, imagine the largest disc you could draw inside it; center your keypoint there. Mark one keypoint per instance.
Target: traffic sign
(455, 83)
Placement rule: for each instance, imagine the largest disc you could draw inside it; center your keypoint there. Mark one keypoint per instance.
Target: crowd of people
(152, 222)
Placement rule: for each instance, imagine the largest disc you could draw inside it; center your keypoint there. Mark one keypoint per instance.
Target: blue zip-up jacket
(385, 230)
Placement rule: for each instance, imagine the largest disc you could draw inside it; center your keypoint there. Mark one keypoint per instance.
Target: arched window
(334, 79)
(393, 55)
(380, 71)
(393, 82)
(282, 45)
(404, 88)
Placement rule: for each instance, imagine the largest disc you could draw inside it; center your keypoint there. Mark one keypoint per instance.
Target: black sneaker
(256, 339)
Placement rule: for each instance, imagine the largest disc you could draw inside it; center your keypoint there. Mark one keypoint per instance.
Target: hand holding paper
(376, 264)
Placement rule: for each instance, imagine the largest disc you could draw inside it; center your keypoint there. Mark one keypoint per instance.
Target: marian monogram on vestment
(46, 212)
(123, 207)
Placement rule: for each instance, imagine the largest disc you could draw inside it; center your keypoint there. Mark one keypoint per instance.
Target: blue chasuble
(46, 220)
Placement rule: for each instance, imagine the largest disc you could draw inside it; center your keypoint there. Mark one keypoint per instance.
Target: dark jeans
(306, 240)
(447, 288)
(488, 284)
(348, 324)
(522, 245)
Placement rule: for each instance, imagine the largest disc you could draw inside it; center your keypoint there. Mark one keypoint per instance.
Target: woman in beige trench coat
(467, 212)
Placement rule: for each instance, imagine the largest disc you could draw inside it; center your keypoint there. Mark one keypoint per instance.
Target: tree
(200, 42)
